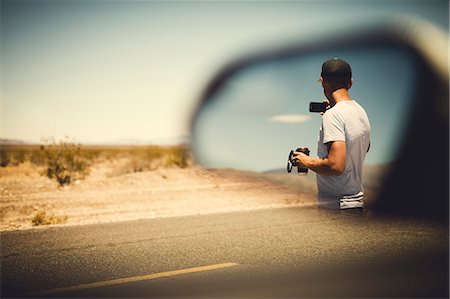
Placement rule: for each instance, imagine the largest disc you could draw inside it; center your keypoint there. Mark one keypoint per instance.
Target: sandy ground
(108, 195)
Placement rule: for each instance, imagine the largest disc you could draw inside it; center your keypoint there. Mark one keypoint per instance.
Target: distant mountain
(11, 142)
(135, 141)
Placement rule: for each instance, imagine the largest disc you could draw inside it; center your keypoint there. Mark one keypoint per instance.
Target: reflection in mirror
(262, 112)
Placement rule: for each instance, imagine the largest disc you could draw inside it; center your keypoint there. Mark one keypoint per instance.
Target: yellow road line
(131, 279)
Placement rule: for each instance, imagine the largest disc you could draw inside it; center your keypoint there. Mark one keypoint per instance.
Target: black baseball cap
(336, 67)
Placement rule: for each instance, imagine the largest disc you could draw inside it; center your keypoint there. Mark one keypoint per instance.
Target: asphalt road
(288, 252)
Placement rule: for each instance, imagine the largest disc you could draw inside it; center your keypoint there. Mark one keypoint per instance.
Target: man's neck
(340, 95)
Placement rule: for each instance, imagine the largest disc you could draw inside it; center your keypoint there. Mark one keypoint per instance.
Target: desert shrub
(155, 152)
(38, 156)
(143, 158)
(16, 154)
(170, 156)
(178, 156)
(92, 154)
(5, 158)
(20, 156)
(64, 161)
(148, 158)
(41, 218)
(13, 156)
(138, 164)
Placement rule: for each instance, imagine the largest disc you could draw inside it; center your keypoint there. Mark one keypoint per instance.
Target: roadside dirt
(109, 195)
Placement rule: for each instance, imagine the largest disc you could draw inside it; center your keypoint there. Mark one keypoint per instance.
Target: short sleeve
(333, 127)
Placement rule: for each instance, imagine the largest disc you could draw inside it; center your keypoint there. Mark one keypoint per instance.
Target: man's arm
(333, 164)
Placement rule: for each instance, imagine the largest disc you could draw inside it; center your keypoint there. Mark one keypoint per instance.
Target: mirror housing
(418, 182)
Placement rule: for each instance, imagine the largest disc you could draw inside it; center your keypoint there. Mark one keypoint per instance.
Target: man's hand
(301, 158)
(334, 164)
(328, 106)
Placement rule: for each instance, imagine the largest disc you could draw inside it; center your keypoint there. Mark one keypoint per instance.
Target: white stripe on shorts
(352, 201)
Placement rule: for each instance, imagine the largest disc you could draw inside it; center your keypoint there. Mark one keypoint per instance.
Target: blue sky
(102, 71)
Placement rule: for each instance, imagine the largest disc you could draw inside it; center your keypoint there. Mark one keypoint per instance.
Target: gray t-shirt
(347, 121)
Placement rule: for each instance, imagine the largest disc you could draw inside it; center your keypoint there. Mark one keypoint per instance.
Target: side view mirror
(256, 109)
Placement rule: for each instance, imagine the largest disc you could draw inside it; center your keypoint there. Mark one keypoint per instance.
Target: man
(344, 140)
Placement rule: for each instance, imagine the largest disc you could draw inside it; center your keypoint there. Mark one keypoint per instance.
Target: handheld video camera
(318, 107)
(291, 163)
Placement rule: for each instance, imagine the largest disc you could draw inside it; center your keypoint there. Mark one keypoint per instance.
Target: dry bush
(14, 155)
(41, 218)
(178, 156)
(168, 156)
(148, 158)
(65, 161)
(5, 158)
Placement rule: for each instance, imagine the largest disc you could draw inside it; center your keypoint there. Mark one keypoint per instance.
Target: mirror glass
(262, 112)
